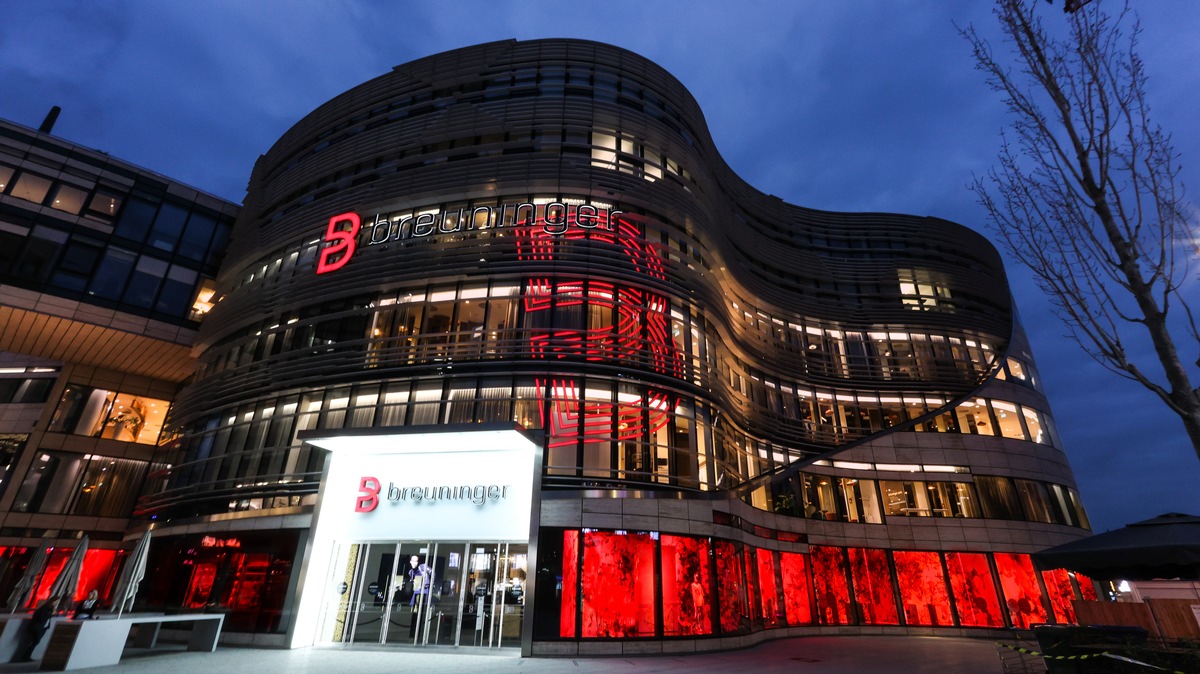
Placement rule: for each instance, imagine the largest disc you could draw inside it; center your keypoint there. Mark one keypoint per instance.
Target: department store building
(501, 353)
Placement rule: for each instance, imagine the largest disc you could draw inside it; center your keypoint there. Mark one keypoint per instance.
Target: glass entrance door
(422, 593)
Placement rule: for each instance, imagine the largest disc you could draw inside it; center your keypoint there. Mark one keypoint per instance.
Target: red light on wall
(687, 586)
(339, 242)
(1022, 595)
(974, 590)
(1087, 587)
(922, 588)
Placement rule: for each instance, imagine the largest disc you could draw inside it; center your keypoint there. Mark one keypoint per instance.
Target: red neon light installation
(922, 588)
(830, 586)
(640, 333)
(974, 590)
(570, 583)
(618, 585)
(340, 242)
(796, 593)
(873, 586)
(735, 610)
(1061, 594)
(687, 586)
(1021, 593)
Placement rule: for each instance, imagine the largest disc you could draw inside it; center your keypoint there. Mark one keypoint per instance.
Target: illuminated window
(1022, 595)
(687, 586)
(68, 199)
(618, 584)
(830, 586)
(922, 290)
(31, 187)
(6, 174)
(974, 590)
(873, 586)
(84, 410)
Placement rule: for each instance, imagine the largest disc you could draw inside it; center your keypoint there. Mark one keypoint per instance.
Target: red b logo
(339, 241)
(368, 498)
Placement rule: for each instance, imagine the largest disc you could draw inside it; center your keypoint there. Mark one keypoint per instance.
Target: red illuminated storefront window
(1087, 587)
(873, 586)
(1061, 594)
(922, 588)
(974, 591)
(687, 586)
(735, 610)
(829, 585)
(793, 567)
(1021, 592)
(751, 569)
(766, 581)
(795, 588)
(618, 584)
(570, 582)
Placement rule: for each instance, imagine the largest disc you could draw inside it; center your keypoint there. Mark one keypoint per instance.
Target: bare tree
(1087, 194)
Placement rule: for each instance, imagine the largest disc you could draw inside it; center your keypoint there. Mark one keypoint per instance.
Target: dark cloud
(860, 106)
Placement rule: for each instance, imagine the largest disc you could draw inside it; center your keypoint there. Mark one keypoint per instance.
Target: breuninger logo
(370, 489)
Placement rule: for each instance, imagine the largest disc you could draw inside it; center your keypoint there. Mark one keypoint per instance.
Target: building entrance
(422, 593)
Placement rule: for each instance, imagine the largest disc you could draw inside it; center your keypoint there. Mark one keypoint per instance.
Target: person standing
(35, 628)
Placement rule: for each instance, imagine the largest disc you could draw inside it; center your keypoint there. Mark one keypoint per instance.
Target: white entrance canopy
(452, 483)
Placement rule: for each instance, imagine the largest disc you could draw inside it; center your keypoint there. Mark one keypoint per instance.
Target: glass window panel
(830, 586)
(35, 483)
(105, 203)
(68, 199)
(1006, 416)
(873, 586)
(1034, 424)
(972, 416)
(1034, 499)
(195, 238)
(1016, 369)
(114, 270)
(618, 583)
(998, 497)
(108, 487)
(6, 174)
(167, 226)
(1022, 595)
(922, 588)
(974, 590)
(570, 583)
(766, 581)
(176, 291)
(795, 588)
(147, 277)
(31, 187)
(41, 251)
(135, 219)
(735, 607)
(687, 586)
(1058, 586)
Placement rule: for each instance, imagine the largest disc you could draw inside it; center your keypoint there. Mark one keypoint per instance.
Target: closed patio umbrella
(24, 588)
(132, 575)
(1167, 546)
(68, 579)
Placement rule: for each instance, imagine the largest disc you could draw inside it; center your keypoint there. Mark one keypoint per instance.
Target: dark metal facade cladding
(759, 296)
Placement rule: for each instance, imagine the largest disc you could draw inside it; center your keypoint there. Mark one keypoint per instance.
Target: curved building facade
(504, 353)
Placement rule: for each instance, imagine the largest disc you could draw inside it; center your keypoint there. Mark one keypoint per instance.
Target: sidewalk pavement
(806, 655)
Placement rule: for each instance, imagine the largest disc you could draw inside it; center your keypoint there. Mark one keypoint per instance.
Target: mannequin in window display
(420, 578)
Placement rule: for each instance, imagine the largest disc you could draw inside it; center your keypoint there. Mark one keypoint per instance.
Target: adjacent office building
(502, 353)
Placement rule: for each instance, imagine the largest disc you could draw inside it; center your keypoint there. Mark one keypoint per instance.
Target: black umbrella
(1167, 546)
